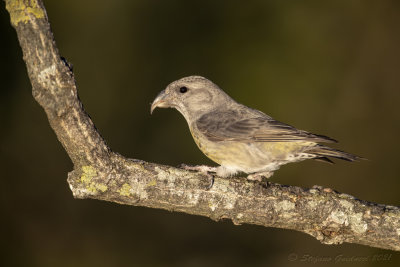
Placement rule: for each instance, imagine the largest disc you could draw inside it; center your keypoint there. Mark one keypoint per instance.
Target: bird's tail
(324, 153)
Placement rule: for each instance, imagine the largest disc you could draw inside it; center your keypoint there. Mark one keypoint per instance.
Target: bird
(238, 138)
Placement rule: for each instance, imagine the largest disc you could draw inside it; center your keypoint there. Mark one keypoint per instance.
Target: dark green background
(329, 67)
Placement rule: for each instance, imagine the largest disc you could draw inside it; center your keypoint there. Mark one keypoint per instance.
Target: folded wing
(240, 126)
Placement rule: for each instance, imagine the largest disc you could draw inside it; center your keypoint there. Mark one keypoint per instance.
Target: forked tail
(324, 153)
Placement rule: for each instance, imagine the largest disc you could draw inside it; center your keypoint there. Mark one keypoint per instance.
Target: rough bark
(99, 173)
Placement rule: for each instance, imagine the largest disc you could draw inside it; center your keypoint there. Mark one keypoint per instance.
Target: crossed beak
(161, 101)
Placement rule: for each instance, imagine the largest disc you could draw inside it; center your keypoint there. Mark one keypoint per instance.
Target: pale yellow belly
(251, 156)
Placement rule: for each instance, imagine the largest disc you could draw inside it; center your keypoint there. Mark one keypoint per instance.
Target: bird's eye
(183, 89)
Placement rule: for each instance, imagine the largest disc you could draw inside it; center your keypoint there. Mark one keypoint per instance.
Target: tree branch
(99, 173)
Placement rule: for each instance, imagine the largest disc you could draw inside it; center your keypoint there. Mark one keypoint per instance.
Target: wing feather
(238, 126)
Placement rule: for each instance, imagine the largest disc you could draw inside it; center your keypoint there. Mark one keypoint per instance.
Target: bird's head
(192, 96)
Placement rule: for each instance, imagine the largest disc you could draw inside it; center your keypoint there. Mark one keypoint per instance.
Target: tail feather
(324, 159)
(323, 152)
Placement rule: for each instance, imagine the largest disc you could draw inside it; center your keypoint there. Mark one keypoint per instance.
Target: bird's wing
(256, 127)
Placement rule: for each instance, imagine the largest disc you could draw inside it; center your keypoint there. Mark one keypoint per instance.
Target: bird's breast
(213, 150)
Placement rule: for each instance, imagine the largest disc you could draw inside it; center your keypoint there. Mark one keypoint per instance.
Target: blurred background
(329, 67)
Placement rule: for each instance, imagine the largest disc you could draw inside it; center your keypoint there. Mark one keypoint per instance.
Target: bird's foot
(204, 169)
(199, 168)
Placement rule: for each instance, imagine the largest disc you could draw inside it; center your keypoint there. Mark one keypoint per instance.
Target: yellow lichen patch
(94, 187)
(91, 188)
(21, 11)
(125, 190)
(152, 183)
(88, 172)
(101, 187)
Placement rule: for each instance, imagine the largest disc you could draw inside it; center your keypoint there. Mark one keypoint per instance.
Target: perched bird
(239, 138)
